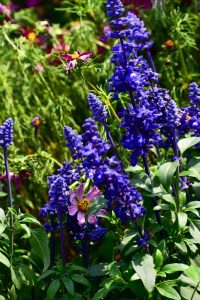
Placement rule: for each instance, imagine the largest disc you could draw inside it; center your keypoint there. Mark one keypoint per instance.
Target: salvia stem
(10, 204)
(109, 136)
(62, 245)
(153, 200)
(176, 152)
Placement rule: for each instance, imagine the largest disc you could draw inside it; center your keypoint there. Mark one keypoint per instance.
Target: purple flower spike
(97, 108)
(6, 133)
(194, 93)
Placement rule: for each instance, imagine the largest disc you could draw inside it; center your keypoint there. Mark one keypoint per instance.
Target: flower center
(83, 205)
(31, 36)
(74, 56)
(188, 117)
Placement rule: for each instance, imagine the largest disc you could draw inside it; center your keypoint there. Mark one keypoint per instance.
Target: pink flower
(79, 203)
(5, 10)
(39, 68)
(73, 58)
(61, 47)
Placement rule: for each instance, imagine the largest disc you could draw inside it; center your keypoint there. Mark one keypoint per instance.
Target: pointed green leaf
(187, 143)
(4, 260)
(172, 268)
(2, 215)
(182, 220)
(193, 272)
(52, 289)
(68, 283)
(39, 243)
(166, 173)
(80, 279)
(168, 291)
(144, 267)
(195, 233)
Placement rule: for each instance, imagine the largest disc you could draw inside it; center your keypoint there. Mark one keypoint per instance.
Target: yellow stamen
(75, 55)
(188, 117)
(31, 36)
(83, 205)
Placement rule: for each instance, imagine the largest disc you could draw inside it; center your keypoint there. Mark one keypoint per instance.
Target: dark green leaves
(166, 173)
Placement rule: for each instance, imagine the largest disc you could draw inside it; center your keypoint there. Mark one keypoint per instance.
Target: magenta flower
(79, 203)
(73, 58)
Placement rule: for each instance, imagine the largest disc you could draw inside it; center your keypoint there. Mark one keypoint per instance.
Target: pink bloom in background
(61, 47)
(92, 219)
(5, 10)
(73, 58)
(39, 68)
(79, 203)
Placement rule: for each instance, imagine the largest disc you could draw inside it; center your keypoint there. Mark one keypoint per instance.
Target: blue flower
(194, 93)
(114, 8)
(97, 108)
(74, 141)
(6, 133)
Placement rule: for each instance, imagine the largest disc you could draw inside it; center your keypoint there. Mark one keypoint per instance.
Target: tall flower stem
(153, 199)
(109, 136)
(152, 65)
(10, 203)
(62, 245)
(176, 152)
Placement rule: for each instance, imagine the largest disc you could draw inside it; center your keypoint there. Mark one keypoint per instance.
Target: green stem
(195, 290)
(185, 72)
(10, 203)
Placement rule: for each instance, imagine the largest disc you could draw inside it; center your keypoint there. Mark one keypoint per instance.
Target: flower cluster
(190, 116)
(98, 110)
(6, 133)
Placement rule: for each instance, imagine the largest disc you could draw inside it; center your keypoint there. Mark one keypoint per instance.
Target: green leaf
(158, 258)
(2, 216)
(80, 279)
(172, 268)
(193, 204)
(182, 247)
(68, 283)
(14, 278)
(195, 233)
(168, 291)
(39, 243)
(182, 220)
(45, 274)
(4, 260)
(52, 289)
(144, 267)
(193, 272)
(187, 143)
(127, 238)
(194, 172)
(188, 293)
(100, 294)
(97, 270)
(2, 194)
(166, 172)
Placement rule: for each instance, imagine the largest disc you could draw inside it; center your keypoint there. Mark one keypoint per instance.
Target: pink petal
(72, 197)
(101, 212)
(85, 55)
(92, 219)
(71, 65)
(81, 217)
(67, 57)
(80, 192)
(72, 209)
(93, 194)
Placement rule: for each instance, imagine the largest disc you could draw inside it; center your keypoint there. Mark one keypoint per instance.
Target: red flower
(73, 58)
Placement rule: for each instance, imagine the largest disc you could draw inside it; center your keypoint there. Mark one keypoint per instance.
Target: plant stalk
(10, 202)
(62, 245)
